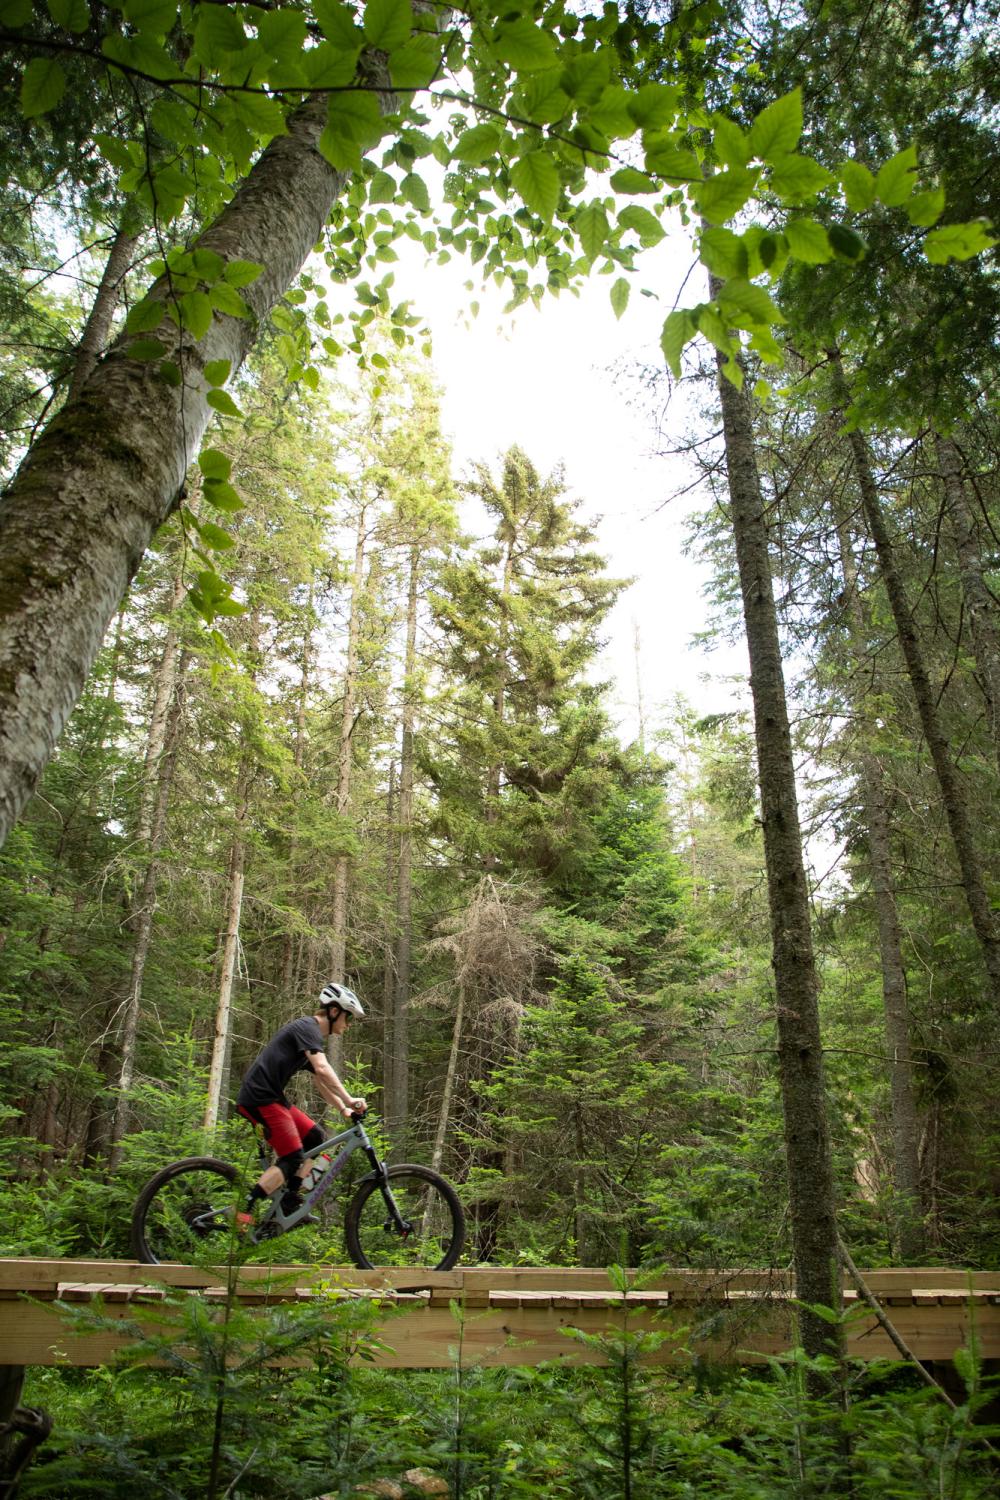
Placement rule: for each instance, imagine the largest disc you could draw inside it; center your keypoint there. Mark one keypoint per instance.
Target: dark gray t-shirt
(286, 1053)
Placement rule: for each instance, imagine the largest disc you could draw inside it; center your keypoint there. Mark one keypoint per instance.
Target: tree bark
(444, 1114)
(953, 797)
(110, 466)
(911, 1241)
(404, 882)
(980, 605)
(97, 329)
(800, 1055)
(230, 951)
(389, 960)
(157, 784)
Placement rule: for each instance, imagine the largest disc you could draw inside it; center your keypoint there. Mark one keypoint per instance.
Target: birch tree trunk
(404, 882)
(97, 329)
(159, 764)
(980, 604)
(444, 1114)
(230, 951)
(953, 797)
(110, 466)
(298, 756)
(899, 1055)
(800, 1055)
(342, 802)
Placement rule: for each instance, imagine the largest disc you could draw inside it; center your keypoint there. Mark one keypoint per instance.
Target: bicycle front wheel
(412, 1217)
(184, 1210)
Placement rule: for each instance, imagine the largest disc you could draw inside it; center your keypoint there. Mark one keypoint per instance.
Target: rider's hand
(358, 1106)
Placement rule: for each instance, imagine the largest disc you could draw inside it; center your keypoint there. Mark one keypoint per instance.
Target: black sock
(291, 1202)
(255, 1195)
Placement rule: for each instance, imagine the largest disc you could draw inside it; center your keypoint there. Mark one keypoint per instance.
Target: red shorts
(284, 1125)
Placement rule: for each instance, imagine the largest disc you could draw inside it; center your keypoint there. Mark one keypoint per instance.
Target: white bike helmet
(340, 995)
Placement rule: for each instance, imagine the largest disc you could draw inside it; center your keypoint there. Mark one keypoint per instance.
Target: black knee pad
(290, 1164)
(313, 1138)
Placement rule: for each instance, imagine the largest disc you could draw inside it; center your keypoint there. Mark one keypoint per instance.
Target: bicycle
(399, 1216)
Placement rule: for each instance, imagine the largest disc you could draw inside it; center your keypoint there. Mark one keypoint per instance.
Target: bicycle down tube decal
(332, 1171)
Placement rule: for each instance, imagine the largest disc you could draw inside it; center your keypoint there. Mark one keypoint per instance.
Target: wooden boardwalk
(511, 1315)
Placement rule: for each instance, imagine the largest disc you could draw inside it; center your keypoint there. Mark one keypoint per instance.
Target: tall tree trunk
(338, 914)
(404, 883)
(953, 796)
(97, 329)
(911, 1242)
(980, 605)
(157, 783)
(492, 808)
(110, 466)
(287, 968)
(800, 1055)
(448, 1093)
(230, 951)
(389, 960)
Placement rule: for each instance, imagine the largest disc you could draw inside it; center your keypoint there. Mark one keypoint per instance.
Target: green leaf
(282, 34)
(654, 105)
(478, 144)
(147, 349)
(415, 64)
(847, 245)
(591, 224)
(71, 15)
(541, 97)
(733, 371)
(777, 129)
(673, 163)
(218, 31)
(797, 178)
(226, 299)
(644, 223)
(630, 180)
(354, 123)
(336, 21)
(808, 241)
(731, 145)
(145, 316)
(330, 65)
(196, 313)
(747, 305)
(222, 401)
(585, 77)
(722, 196)
(619, 296)
(217, 371)
(222, 496)
(859, 186)
(413, 190)
(17, 13)
(524, 46)
(714, 328)
(723, 252)
(115, 151)
(241, 272)
(894, 181)
(678, 330)
(214, 464)
(156, 17)
(388, 23)
(169, 372)
(958, 241)
(213, 536)
(535, 178)
(42, 86)
(924, 209)
(382, 188)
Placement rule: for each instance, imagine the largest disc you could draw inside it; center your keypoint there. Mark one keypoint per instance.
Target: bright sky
(544, 380)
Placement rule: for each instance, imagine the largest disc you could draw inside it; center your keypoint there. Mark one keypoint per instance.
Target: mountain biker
(298, 1046)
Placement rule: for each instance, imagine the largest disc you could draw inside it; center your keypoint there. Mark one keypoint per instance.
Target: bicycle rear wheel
(183, 1209)
(429, 1232)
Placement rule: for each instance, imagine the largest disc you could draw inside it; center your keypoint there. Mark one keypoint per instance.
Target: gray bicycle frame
(349, 1140)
